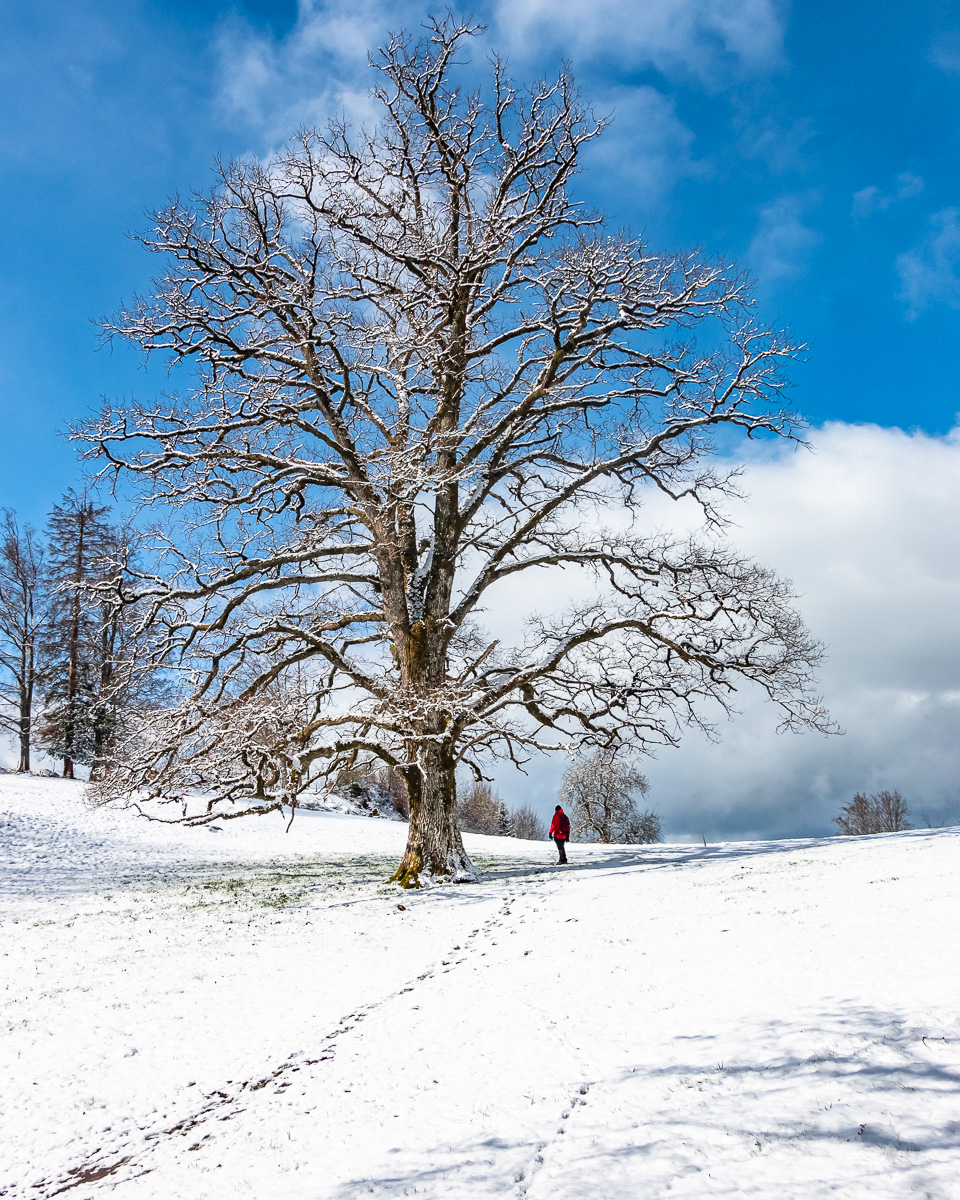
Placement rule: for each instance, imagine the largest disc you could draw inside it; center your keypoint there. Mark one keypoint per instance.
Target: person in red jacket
(560, 831)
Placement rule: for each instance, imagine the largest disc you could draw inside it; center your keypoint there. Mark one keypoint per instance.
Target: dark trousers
(562, 847)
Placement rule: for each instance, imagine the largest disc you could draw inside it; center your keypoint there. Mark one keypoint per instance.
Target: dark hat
(558, 809)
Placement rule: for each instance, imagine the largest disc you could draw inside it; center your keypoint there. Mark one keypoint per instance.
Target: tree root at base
(407, 874)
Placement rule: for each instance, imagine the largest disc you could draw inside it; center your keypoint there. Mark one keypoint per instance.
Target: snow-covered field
(191, 1014)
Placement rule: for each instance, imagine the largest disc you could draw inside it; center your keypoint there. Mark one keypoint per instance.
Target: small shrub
(375, 786)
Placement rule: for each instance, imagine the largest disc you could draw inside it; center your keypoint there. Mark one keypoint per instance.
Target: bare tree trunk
(73, 668)
(26, 714)
(108, 631)
(434, 845)
(22, 604)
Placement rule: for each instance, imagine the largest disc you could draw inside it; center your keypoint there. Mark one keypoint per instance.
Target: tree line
(602, 792)
(74, 656)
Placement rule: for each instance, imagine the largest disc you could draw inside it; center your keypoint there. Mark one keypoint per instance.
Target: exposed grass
(312, 881)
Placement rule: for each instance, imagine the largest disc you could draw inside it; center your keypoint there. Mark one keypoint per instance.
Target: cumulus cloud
(647, 148)
(275, 84)
(868, 528)
(930, 272)
(872, 199)
(706, 39)
(782, 242)
(318, 69)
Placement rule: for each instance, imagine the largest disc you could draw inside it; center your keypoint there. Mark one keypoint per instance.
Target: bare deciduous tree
(527, 824)
(23, 601)
(885, 812)
(645, 828)
(479, 809)
(422, 367)
(394, 786)
(602, 791)
(937, 820)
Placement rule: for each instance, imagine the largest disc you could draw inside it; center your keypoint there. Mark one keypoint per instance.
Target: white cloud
(320, 68)
(930, 272)
(945, 52)
(712, 40)
(647, 147)
(273, 85)
(868, 528)
(782, 242)
(872, 199)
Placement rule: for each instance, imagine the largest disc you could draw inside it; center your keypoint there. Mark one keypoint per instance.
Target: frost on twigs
(603, 791)
(422, 368)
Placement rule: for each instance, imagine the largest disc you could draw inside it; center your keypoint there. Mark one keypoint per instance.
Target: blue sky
(816, 144)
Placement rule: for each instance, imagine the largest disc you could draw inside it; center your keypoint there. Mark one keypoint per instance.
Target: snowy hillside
(193, 1014)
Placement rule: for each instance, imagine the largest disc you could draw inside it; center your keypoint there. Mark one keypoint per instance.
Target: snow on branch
(422, 367)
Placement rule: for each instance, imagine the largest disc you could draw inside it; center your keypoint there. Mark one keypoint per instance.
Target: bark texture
(434, 846)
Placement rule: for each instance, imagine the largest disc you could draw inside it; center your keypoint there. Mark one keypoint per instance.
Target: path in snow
(194, 1015)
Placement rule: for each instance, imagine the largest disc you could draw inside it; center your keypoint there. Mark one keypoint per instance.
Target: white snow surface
(248, 1012)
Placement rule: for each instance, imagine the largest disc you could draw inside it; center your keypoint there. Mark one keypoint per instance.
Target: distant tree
(123, 655)
(394, 786)
(479, 809)
(23, 600)
(602, 791)
(937, 820)
(646, 827)
(856, 817)
(99, 660)
(504, 820)
(528, 825)
(79, 544)
(885, 812)
(892, 812)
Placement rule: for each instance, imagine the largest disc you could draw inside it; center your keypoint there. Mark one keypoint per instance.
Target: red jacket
(560, 825)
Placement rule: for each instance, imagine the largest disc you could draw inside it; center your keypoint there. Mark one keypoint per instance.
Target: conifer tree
(80, 541)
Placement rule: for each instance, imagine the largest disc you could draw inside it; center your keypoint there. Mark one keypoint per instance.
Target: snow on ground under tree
(190, 1014)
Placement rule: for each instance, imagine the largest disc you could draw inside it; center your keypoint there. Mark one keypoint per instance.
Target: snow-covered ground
(191, 1014)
